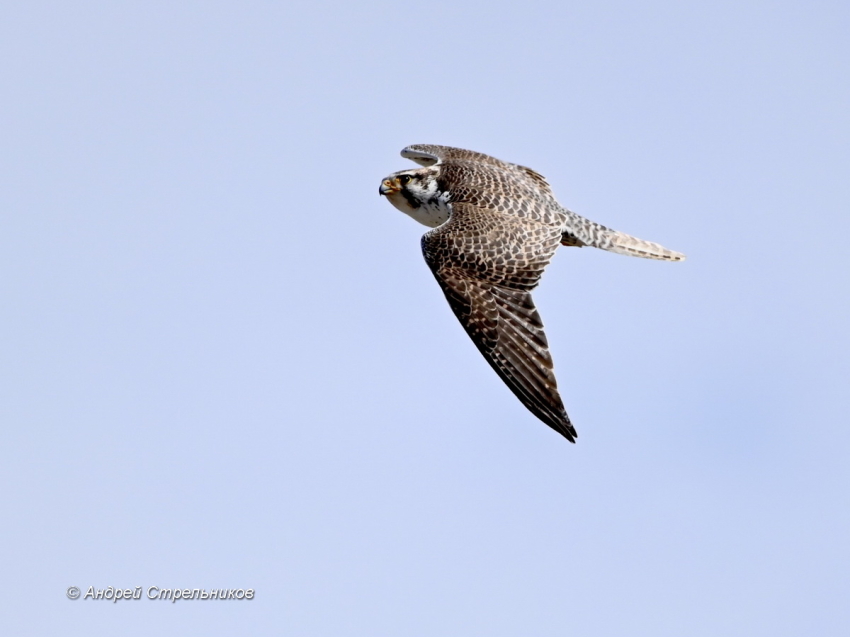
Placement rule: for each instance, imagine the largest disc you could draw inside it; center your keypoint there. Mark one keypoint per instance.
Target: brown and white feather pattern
(496, 226)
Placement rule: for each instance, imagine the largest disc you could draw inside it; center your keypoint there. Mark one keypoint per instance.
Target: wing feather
(431, 154)
(506, 328)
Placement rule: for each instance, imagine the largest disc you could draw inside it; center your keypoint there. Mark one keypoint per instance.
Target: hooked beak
(389, 186)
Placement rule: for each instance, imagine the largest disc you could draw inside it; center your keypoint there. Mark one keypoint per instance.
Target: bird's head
(417, 193)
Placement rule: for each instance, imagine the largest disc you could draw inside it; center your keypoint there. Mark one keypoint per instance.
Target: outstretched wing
(487, 263)
(506, 328)
(431, 154)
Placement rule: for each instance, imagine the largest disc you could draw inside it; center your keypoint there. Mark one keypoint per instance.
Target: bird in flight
(495, 226)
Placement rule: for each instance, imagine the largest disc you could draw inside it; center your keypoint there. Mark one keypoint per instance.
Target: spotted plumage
(496, 226)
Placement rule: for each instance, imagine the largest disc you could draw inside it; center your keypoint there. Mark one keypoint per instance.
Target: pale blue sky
(226, 365)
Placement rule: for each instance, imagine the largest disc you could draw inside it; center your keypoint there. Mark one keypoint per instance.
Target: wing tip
(415, 153)
(567, 431)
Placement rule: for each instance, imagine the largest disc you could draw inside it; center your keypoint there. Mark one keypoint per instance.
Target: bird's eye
(404, 179)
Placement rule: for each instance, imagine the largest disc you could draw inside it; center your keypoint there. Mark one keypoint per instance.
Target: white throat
(434, 207)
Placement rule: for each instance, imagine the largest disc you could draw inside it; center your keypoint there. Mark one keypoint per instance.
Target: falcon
(496, 226)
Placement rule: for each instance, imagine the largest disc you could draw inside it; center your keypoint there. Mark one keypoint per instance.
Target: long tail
(584, 232)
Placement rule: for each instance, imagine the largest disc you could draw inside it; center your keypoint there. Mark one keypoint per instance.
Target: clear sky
(225, 363)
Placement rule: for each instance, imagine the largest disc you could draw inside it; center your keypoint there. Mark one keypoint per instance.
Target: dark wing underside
(505, 326)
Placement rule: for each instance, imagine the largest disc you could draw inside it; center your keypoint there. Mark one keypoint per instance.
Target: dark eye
(404, 179)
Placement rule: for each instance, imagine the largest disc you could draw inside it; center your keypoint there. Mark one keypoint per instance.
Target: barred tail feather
(622, 243)
(583, 232)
